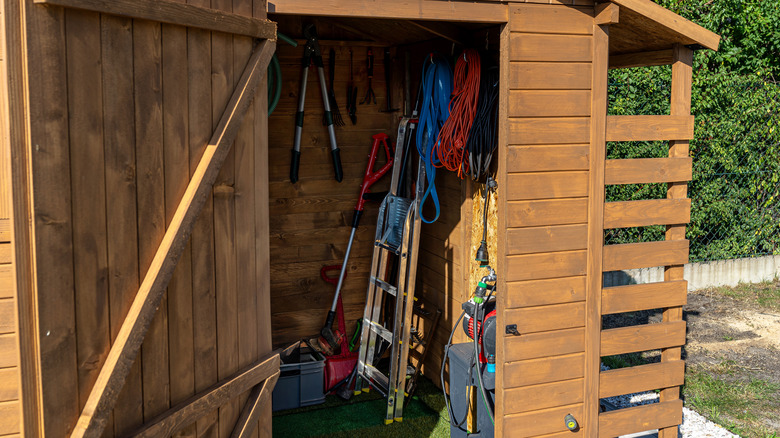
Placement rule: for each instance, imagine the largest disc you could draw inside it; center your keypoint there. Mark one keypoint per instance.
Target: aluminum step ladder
(397, 236)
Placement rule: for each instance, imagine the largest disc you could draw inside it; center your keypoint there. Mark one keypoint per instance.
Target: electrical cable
(436, 88)
(443, 364)
(479, 324)
(451, 143)
(483, 139)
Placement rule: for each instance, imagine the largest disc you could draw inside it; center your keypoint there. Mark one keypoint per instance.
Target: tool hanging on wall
(388, 83)
(483, 139)
(482, 252)
(369, 179)
(370, 71)
(352, 92)
(334, 107)
(312, 55)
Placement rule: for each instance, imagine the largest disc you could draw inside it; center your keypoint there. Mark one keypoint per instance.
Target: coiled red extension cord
(450, 146)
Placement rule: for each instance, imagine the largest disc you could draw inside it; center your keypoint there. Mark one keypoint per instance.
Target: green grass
(363, 416)
(765, 295)
(624, 360)
(727, 395)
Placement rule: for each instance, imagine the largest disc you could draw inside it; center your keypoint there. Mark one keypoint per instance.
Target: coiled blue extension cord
(436, 88)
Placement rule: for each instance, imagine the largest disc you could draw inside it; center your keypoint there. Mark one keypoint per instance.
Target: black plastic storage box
(301, 378)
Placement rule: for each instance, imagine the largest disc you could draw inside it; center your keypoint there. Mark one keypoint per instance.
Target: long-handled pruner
(312, 55)
(369, 179)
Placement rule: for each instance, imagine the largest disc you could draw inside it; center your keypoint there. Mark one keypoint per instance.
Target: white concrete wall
(705, 274)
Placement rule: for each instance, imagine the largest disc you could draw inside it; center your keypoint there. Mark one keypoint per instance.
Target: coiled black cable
(483, 138)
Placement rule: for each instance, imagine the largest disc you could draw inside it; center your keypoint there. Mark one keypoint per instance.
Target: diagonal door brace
(113, 374)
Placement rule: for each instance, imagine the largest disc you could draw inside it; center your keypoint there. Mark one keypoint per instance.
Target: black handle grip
(337, 164)
(296, 159)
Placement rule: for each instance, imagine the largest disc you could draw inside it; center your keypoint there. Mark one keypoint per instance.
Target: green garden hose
(275, 76)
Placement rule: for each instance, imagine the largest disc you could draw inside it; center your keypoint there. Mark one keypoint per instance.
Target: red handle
(371, 177)
(324, 274)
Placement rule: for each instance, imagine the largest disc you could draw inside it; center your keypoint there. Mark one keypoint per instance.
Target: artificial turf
(425, 415)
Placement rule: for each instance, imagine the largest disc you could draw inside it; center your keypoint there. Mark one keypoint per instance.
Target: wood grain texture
(543, 370)
(535, 423)
(547, 212)
(606, 13)
(251, 413)
(642, 338)
(193, 408)
(546, 318)
(546, 185)
(10, 417)
(407, 9)
(641, 378)
(645, 255)
(6, 281)
(673, 22)
(549, 103)
(9, 384)
(549, 76)
(546, 158)
(5, 230)
(546, 395)
(640, 418)
(123, 352)
(649, 128)
(7, 315)
(530, 131)
(641, 59)
(546, 19)
(9, 356)
(544, 344)
(544, 292)
(647, 296)
(557, 48)
(643, 213)
(648, 170)
(547, 239)
(546, 265)
(177, 13)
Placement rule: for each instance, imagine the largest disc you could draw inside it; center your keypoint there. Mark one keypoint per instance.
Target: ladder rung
(376, 377)
(386, 334)
(380, 244)
(385, 286)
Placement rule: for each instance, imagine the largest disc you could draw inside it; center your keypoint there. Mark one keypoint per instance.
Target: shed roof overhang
(645, 26)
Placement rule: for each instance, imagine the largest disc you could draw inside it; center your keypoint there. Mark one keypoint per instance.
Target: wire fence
(735, 191)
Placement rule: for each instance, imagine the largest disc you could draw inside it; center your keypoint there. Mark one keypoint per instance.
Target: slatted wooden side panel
(311, 219)
(121, 112)
(545, 201)
(674, 212)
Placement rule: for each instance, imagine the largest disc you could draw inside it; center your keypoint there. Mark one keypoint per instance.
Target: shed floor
(425, 416)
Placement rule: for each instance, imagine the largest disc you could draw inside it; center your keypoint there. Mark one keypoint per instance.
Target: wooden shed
(153, 251)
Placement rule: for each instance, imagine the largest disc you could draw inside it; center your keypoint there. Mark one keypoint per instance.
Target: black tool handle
(336, 153)
(296, 159)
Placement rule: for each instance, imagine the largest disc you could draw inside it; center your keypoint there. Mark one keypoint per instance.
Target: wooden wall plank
(649, 212)
(413, 10)
(543, 370)
(121, 213)
(649, 128)
(648, 170)
(645, 255)
(547, 395)
(546, 212)
(549, 103)
(5, 230)
(176, 13)
(546, 158)
(545, 318)
(558, 48)
(549, 76)
(641, 378)
(547, 239)
(545, 265)
(546, 19)
(150, 193)
(647, 296)
(531, 424)
(7, 289)
(544, 344)
(546, 185)
(6, 253)
(544, 292)
(642, 338)
(7, 315)
(640, 418)
(9, 356)
(90, 262)
(10, 417)
(9, 384)
(530, 131)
